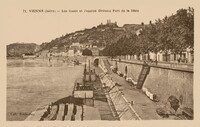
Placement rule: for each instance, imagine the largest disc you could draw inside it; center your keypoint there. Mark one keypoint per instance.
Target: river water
(34, 83)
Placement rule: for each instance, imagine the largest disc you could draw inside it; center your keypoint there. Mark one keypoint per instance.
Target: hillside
(100, 36)
(17, 49)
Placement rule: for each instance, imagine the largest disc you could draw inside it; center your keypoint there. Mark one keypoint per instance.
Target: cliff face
(17, 49)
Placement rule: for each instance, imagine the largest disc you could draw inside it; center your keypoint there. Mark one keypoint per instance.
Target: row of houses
(75, 49)
(186, 57)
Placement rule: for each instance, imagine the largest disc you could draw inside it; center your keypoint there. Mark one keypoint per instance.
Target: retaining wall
(122, 107)
(133, 69)
(166, 82)
(163, 81)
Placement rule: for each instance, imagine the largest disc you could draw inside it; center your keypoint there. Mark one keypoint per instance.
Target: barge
(87, 102)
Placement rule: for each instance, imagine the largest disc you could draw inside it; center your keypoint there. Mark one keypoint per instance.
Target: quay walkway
(143, 106)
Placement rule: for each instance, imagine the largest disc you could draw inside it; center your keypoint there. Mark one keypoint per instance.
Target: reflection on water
(38, 63)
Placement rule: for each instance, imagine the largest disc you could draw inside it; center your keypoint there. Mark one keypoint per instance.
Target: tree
(171, 34)
(182, 33)
(87, 52)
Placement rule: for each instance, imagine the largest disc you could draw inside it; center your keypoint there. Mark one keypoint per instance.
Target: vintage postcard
(99, 63)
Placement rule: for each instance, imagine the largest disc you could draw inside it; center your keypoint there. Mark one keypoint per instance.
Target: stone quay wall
(115, 97)
(162, 81)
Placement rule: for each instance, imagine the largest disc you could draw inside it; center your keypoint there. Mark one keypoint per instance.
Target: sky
(18, 26)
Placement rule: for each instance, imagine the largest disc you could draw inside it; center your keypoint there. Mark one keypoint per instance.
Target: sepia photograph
(99, 61)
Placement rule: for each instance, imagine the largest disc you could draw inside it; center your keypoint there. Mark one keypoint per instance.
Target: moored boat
(85, 103)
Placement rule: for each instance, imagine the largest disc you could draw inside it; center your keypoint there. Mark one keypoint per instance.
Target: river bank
(142, 101)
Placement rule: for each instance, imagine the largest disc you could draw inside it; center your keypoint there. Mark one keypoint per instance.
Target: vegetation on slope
(171, 34)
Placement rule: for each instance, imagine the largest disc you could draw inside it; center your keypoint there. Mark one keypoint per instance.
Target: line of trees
(171, 34)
